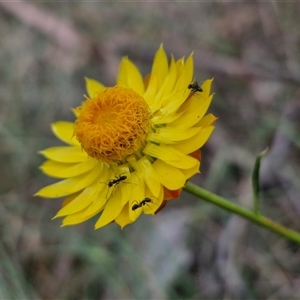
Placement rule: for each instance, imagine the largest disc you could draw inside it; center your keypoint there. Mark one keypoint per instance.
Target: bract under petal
(171, 194)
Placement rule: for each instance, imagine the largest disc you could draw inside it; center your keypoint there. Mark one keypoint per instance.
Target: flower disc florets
(113, 125)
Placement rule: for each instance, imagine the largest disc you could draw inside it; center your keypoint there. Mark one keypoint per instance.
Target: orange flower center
(113, 125)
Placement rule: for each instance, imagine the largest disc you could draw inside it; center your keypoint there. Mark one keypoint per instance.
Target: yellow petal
(66, 170)
(206, 86)
(151, 207)
(77, 218)
(170, 155)
(169, 83)
(179, 67)
(76, 111)
(166, 90)
(125, 185)
(70, 186)
(96, 206)
(84, 199)
(150, 176)
(123, 218)
(113, 175)
(137, 196)
(107, 175)
(188, 173)
(130, 76)
(93, 86)
(112, 209)
(194, 110)
(170, 135)
(165, 118)
(160, 66)
(187, 74)
(66, 154)
(181, 92)
(122, 74)
(207, 120)
(194, 143)
(169, 176)
(151, 89)
(69, 199)
(156, 102)
(175, 101)
(65, 132)
(158, 75)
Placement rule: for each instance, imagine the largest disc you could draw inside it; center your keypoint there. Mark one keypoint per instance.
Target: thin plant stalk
(252, 216)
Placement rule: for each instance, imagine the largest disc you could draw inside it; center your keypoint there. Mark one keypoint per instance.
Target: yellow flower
(133, 146)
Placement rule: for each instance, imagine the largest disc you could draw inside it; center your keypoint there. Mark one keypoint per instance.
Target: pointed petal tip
(97, 226)
(39, 194)
(121, 225)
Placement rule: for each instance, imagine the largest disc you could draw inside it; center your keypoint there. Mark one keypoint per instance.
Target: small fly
(194, 87)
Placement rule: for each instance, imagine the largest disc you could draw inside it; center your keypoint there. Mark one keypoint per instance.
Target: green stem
(243, 212)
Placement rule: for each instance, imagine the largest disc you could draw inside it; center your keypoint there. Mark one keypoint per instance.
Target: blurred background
(191, 249)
